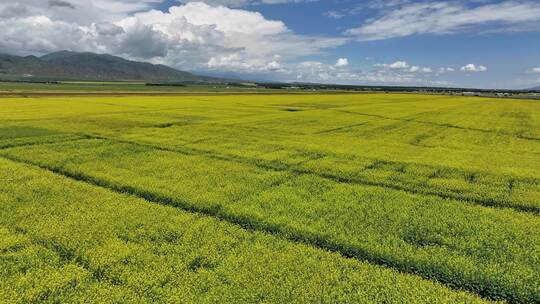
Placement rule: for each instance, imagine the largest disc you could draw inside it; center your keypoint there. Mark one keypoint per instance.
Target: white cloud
(447, 17)
(342, 62)
(473, 68)
(535, 70)
(221, 18)
(191, 36)
(394, 65)
(238, 3)
(318, 72)
(399, 65)
(230, 38)
(335, 14)
(404, 67)
(143, 41)
(273, 66)
(380, 4)
(443, 70)
(39, 34)
(417, 69)
(80, 12)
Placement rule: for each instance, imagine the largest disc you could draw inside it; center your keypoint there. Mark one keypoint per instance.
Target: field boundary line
(491, 203)
(250, 224)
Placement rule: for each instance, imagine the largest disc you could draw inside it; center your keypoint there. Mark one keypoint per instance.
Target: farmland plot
(433, 188)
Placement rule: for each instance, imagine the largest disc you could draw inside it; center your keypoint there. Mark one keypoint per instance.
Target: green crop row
(488, 251)
(69, 242)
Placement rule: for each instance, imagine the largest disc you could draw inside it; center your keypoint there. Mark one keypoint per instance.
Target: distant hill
(534, 89)
(66, 65)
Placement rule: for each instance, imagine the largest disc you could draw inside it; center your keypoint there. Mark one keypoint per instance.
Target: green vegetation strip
(491, 252)
(69, 242)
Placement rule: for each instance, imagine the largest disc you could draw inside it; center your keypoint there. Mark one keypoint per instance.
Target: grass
(415, 191)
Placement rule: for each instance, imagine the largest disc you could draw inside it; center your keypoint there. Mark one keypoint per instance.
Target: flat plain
(279, 198)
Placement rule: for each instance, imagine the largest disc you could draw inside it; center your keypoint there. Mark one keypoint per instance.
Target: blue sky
(509, 54)
(474, 43)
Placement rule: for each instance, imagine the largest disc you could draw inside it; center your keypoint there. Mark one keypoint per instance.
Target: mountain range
(67, 65)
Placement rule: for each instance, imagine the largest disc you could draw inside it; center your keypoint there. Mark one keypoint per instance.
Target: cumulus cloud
(273, 66)
(473, 68)
(406, 18)
(143, 41)
(107, 29)
(191, 36)
(342, 62)
(39, 34)
(227, 38)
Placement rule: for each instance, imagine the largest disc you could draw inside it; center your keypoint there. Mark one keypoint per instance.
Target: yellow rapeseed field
(319, 198)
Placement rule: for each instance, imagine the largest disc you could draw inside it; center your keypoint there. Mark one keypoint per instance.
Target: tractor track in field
(38, 143)
(342, 128)
(444, 125)
(279, 167)
(250, 224)
(268, 165)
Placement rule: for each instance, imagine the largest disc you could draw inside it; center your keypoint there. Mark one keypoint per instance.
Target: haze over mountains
(66, 65)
